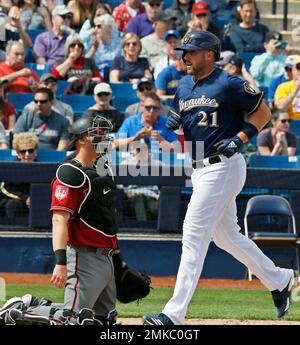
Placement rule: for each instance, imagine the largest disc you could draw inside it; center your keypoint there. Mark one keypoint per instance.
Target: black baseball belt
(206, 162)
(98, 251)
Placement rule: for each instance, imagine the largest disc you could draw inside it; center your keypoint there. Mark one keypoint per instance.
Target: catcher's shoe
(17, 317)
(33, 301)
(87, 317)
(14, 302)
(157, 320)
(282, 298)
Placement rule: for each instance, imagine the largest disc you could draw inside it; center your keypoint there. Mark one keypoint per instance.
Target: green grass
(206, 303)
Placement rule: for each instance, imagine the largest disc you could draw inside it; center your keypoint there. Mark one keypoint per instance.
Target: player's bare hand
(59, 276)
(280, 137)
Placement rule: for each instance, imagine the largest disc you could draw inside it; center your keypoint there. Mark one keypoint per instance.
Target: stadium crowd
(56, 51)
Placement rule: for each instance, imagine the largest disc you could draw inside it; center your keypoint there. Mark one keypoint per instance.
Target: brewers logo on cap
(186, 39)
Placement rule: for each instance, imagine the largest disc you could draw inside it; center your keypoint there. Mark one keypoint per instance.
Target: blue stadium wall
(158, 257)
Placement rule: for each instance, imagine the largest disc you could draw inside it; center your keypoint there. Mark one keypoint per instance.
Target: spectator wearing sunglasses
(49, 46)
(142, 24)
(106, 43)
(277, 140)
(49, 81)
(130, 66)
(50, 127)
(287, 95)
(149, 124)
(142, 87)
(75, 65)
(275, 81)
(14, 197)
(103, 97)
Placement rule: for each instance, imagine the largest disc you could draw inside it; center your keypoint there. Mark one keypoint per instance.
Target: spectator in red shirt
(126, 11)
(20, 78)
(75, 65)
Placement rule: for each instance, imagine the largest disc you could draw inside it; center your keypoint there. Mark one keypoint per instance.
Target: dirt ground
(27, 278)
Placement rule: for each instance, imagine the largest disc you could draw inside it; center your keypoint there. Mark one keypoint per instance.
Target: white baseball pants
(211, 214)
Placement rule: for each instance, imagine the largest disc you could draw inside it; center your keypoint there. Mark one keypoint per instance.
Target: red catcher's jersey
(79, 233)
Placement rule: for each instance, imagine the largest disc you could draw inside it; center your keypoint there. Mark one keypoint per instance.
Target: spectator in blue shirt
(142, 24)
(148, 124)
(248, 36)
(168, 79)
(286, 76)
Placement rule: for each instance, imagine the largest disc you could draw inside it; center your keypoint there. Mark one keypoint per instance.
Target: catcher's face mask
(102, 141)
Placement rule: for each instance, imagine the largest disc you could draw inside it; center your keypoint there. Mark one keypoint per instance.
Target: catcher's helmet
(201, 40)
(98, 128)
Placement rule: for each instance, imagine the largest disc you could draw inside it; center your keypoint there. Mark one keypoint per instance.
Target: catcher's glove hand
(131, 285)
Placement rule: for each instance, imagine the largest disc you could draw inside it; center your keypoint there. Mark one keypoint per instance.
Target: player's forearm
(59, 231)
(258, 119)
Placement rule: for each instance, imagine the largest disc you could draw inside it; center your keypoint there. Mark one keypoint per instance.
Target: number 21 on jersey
(204, 120)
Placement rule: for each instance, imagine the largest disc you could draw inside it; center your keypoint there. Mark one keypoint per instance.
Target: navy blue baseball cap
(201, 40)
(171, 33)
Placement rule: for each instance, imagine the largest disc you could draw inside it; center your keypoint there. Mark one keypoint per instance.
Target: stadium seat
(295, 127)
(79, 103)
(19, 100)
(34, 33)
(122, 102)
(62, 85)
(7, 155)
(279, 162)
(123, 90)
(39, 69)
(51, 156)
(269, 222)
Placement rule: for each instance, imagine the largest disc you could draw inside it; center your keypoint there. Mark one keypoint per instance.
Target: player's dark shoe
(33, 301)
(17, 317)
(282, 299)
(157, 320)
(86, 317)
(14, 302)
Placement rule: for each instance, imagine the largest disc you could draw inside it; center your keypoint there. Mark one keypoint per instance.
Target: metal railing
(285, 12)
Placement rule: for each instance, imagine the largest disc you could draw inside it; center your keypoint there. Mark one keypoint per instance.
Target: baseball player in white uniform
(209, 106)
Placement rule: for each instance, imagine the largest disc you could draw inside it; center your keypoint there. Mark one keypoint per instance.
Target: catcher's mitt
(131, 285)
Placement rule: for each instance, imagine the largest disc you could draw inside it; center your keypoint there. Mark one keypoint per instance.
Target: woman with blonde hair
(82, 10)
(26, 146)
(130, 67)
(15, 196)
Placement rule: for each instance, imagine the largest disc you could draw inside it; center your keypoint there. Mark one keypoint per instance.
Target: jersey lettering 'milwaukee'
(213, 108)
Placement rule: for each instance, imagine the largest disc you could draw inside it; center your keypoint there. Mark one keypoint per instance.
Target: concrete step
(265, 6)
(275, 22)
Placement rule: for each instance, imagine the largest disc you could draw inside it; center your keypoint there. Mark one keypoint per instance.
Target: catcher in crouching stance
(84, 237)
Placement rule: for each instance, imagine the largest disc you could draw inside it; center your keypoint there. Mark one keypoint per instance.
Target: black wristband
(249, 129)
(61, 257)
